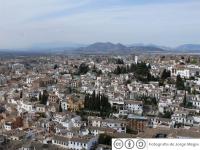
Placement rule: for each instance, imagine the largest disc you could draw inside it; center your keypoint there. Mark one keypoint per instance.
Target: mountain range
(189, 47)
(105, 48)
(108, 47)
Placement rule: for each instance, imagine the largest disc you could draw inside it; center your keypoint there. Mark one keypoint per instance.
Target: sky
(27, 23)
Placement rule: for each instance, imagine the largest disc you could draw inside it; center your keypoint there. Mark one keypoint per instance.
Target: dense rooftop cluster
(82, 102)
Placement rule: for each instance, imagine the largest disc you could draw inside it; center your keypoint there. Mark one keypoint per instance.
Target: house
(17, 66)
(78, 143)
(2, 139)
(122, 113)
(133, 106)
(95, 121)
(3, 80)
(53, 98)
(180, 117)
(194, 100)
(37, 145)
(180, 70)
(64, 105)
(164, 106)
(13, 123)
(59, 117)
(117, 102)
(8, 125)
(137, 123)
(153, 122)
(117, 124)
(100, 130)
(26, 105)
(53, 107)
(45, 124)
(30, 79)
(67, 120)
(40, 108)
(43, 82)
(2, 95)
(18, 136)
(75, 102)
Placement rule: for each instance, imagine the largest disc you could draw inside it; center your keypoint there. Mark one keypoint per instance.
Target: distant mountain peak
(108, 47)
(189, 47)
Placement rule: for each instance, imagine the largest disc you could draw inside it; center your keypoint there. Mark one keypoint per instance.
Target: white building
(27, 106)
(95, 121)
(133, 106)
(74, 143)
(195, 100)
(3, 80)
(136, 59)
(64, 105)
(40, 108)
(67, 121)
(118, 125)
(8, 126)
(183, 72)
(183, 118)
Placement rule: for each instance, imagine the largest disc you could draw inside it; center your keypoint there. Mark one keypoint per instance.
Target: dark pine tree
(180, 83)
(55, 66)
(21, 94)
(40, 96)
(44, 97)
(165, 74)
(60, 107)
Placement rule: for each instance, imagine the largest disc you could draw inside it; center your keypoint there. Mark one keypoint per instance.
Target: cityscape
(82, 102)
(97, 75)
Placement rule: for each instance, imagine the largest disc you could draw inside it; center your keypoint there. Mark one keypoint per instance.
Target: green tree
(97, 102)
(167, 114)
(44, 97)
(165, 74)
(40, 96)
(119, 61)
(60, 107)
(55, 66)
(189, 105)
(105, 139)
(185, 100)
(21, 94)
(83, 68)
(180, 83)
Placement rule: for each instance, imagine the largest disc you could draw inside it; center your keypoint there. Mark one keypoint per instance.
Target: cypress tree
(21, 94)
(180, 83)
(44, 97)
(60, 107)
(40, 96)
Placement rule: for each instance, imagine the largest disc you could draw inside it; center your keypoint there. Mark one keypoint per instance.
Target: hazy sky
(24, 23)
